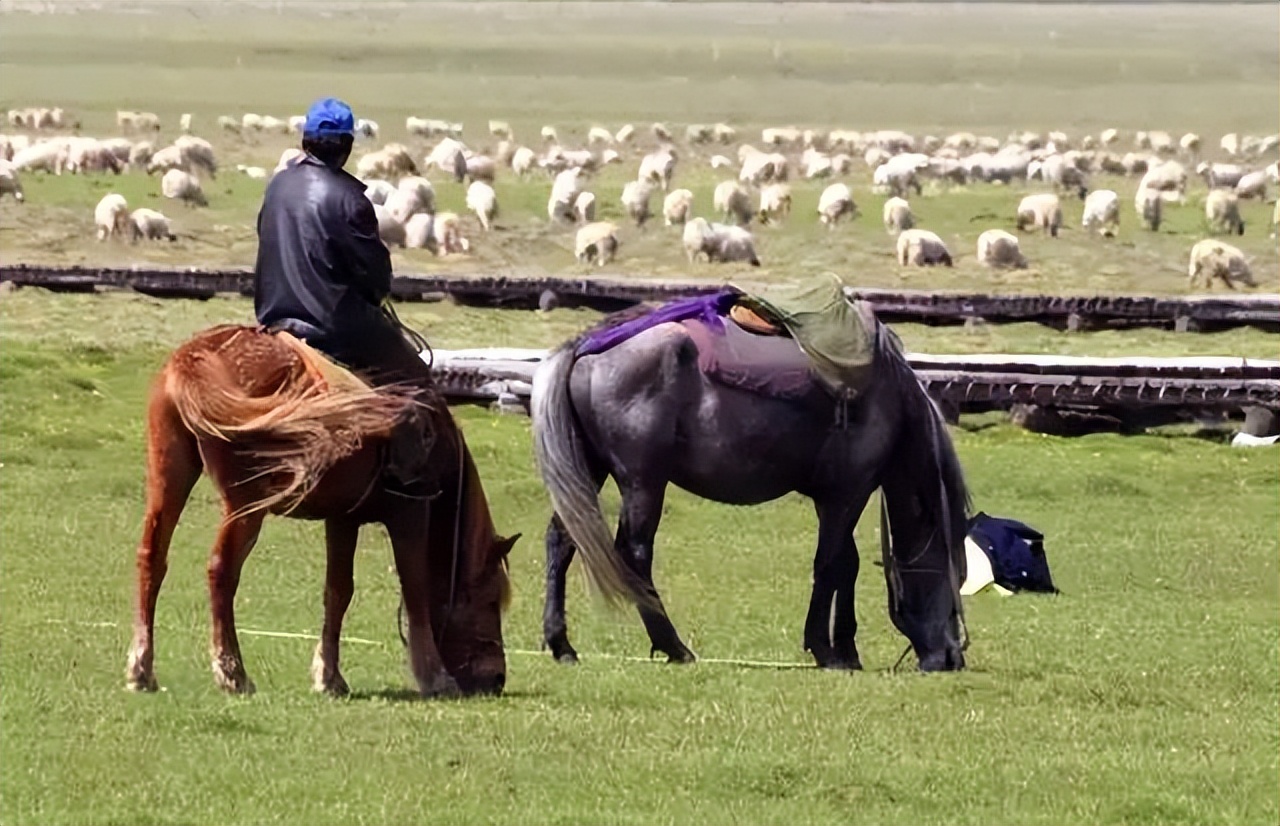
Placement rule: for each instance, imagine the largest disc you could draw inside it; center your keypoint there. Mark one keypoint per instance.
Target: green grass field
(1148, 693)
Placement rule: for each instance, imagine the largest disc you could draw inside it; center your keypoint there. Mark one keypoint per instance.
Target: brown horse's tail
(293, 434)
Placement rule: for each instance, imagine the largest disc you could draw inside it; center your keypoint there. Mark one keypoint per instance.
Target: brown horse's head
(468, 620)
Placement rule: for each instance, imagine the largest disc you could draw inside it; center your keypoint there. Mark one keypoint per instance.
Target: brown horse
(279, 430)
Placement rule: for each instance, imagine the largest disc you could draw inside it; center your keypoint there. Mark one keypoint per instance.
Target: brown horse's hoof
(230, 676)
(442, 687)
(140, 684)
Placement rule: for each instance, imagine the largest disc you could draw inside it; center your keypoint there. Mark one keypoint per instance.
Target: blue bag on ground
(1016, 551)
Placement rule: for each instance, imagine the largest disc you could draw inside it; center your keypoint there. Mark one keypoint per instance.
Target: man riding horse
(323, 275)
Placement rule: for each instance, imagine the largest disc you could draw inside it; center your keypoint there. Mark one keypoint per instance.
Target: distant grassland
(925, 68)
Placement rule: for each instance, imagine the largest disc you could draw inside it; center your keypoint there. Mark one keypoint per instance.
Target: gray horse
(645, 413)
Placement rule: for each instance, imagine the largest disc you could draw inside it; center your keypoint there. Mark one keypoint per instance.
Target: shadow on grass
(409, 695)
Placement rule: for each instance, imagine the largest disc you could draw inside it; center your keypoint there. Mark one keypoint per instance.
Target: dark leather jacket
(322, 271)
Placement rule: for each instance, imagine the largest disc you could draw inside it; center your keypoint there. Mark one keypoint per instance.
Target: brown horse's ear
(506, 543)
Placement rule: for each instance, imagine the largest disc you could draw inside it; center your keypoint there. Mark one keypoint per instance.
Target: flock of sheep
(900, 164)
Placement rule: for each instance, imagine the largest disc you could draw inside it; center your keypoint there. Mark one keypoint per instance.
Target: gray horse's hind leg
(637, 527)
(555, 629)
(831, 626)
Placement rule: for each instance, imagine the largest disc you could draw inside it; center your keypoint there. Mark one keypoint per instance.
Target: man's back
(322, 270)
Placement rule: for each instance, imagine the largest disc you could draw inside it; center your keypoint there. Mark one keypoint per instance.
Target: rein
(453, 562)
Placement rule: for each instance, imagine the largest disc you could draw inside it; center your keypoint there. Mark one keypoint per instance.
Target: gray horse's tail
(925, 509)
(561, 449)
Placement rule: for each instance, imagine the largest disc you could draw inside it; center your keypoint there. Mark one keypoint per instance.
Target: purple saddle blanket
(768, 365)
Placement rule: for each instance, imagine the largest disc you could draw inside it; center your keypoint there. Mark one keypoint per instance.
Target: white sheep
(228, 124)
(10, 184)
(724, 133)
(198, 154)
(168, 157)
(1102, 211)
(549, 134)
(658, 167)
(1222, 212)
(364, 128)
(256, 173)
(1213, 260)
(1230, 143)
(732, 201)
(151, 225)
(584, 207)
(390, 228)
(50, 157)
(89, 155)
(636, 196)
(522, 160)
(1150, 208)
(111, 216)
(997, 248)
(718, 242)
(922, 248)
(835, 203)
(761, 167)
(598, 135)
(625, 134)
(1042, 210)
(500, 129)
(898, 215)
(598, 240)
(483, 201)
(378, 190)
(481, 168)
(184, 123)
(1252, 185)
(775, 202)
(1168, 178)
(450, 156)
(564, 189)
(390, 161)
(184, 187)
(414, 194)
(900, 174)
(1220, 174)
(140, 154)
(677, 207)
(721, 162)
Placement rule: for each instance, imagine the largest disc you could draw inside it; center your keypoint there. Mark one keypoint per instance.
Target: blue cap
(328, 117)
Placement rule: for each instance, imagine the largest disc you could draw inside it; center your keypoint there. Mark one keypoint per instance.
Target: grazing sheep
(677, 207)
(198, 154)
(598, 240)
(1252, 185)
(89, 155)
(696, 133)
(121, 148)
(635, 199)
(721, 162)
(50, 157)
(522, 160)
(1168, 178)
(1190, 144)
(922, 248)
(414, 194)
(378, 191)
(584, 207)
(761, 167)
(481, 168)
(835, 203)
(599, 135)
(1102, 210)
(661, 132)
(1230, 143)
(564, 190)
(1150, 208)
(1273, 172)
(297, 123)
(658, 167)
(1222, 211)
(111, 216)
(450, 156)
(898, 216)
(1056, 170)
(364, 128)
(228, 124)
(1109, 137)
(1213, 260)
(718, 242)
(625, 134)
(483, 201)
(500, 129)
(256, 173)
(1220, 174)
(184, 187)
(549, 134)
(1041, 210)
(169, 157)
(997, 248)
(9, 182)
(392, 160)
(140, 154)
(446, 234)
(288, 158)
(184, 123)
(390, 228)
(733, 202)
(609, 156)
(724, 133)
(775, 202)
(151, 225)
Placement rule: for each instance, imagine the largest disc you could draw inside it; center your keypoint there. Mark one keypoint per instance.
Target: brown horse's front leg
(340, 544)
(232, 546)
(409, 542)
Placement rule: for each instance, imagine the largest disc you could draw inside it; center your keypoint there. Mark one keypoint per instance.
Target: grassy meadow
(1147, 693)
(928, 69)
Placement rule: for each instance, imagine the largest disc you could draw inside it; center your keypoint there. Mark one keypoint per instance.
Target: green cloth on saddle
(838, 335)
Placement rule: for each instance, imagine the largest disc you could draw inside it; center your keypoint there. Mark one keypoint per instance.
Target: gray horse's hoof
(568, 658)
